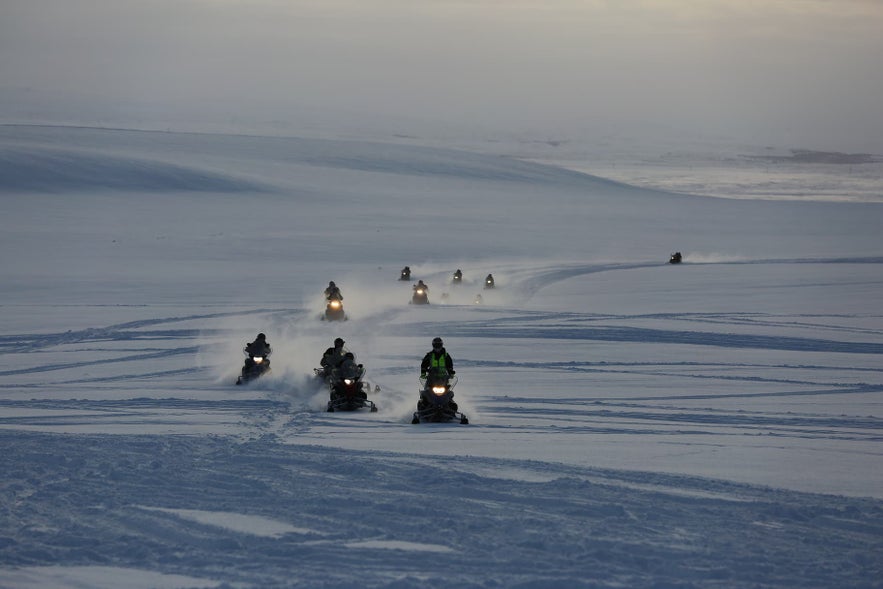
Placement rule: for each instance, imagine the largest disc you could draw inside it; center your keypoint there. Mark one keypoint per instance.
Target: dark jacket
(332, 358)
(441, 357)
(258, 348)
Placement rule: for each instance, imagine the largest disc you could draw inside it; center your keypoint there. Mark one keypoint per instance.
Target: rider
(420, 285)
(259, 347)
(349, 369)
(436, 359)
(489, 281)
(406, 273)
(333, 357)
(333, 292)
(348, 366)
(458, 275)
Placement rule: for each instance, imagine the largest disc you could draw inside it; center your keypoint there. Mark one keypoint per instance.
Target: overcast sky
(769, 71)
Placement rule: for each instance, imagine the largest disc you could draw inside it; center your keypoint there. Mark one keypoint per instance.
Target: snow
(237, 522)
(98, 577)
(633, 423)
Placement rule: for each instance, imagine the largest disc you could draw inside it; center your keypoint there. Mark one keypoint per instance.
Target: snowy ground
(633, 423)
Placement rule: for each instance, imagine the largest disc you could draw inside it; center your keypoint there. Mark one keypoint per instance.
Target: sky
(800, 73)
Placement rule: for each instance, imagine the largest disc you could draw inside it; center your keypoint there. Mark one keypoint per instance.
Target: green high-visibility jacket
(434, 360)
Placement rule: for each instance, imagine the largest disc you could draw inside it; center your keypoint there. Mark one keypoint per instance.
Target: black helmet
(331, 283)
(350, 355)
(338, 343)
(437, 343)
(261, 336)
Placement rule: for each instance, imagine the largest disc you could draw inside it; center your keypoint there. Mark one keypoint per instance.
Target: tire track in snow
(629, 334)
(128, 331)
(529, 282)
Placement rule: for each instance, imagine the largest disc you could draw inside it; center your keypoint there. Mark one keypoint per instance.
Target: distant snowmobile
(255, 367)
(421, 294)
(675, 258)
(458, 277)
(405, 273)
(489, 282)
(334, 310)
(436, 404)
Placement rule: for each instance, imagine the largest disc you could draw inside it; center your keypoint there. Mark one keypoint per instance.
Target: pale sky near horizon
(805, 70)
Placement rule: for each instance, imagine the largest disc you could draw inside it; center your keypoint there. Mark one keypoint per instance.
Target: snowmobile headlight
(258, 359)
(348, 381)
(419, 291)
(335, 304)
(439, 390)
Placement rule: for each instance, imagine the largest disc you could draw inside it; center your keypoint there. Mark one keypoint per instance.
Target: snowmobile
(420, 296)
(255, 366)
(334, 310)
(348, 390)
(436, 404)
(675, 258)
(405, 274)
(489, 282)
(458, 277)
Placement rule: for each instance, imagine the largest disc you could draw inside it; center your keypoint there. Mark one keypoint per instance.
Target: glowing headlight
(258, 359)
(420, 291)
(348, 381)
(335, 304)
(438, 390)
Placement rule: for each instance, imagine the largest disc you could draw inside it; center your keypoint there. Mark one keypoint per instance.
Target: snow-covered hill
(633, 423)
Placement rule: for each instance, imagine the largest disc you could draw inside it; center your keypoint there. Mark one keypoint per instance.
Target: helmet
(338, 343)
(331, 283)
(350, 355)
(437, 343)
(261, 336)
